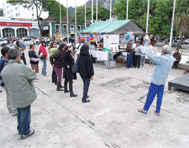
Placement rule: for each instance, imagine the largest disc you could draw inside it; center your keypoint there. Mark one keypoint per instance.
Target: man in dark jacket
(3, 63)
(130, 51)
(177, 56)
(85, 70)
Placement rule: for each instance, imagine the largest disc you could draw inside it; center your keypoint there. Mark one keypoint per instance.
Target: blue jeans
(129, 60)
(151, 63)
(44, 67)
(142, 60)
(175, 63)
(23, 119)
(153, 90)
(86, 83)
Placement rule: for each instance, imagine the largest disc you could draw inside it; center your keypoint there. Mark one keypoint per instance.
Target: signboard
(45, 27)
(111, 43)
(15, 24)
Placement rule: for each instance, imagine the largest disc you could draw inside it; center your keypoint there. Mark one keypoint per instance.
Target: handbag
(42, 56)
(75, 68)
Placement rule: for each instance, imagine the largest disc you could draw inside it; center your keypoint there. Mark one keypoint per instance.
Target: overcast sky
(64, 2)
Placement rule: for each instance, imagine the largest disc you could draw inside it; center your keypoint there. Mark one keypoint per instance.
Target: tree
(41, 6)
(160, 14)
(182, 17)
(103, 14)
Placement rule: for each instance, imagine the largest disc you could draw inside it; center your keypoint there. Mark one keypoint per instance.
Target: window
(72, 28)
(21, 32)
(8, 32)
(57, 27)
(78, 27)
(64, 28)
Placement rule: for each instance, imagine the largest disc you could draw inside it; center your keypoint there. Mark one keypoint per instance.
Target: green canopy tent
(114, 27)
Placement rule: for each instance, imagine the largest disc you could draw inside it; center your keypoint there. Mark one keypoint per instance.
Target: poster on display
(87, 39)
(111, 43)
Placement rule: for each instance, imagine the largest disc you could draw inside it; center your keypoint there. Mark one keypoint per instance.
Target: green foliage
(103, 14)
(160, 14)
(54, 9)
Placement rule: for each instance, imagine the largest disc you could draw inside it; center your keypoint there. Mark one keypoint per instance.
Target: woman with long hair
(68, 75)
(42, 49)
(52, 49)
(56, 60)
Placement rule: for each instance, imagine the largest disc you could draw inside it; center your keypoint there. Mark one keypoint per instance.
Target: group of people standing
(136, 54)
(17, 78)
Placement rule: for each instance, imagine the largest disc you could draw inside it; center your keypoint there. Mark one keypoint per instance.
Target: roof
(64, 20)
(115, 27)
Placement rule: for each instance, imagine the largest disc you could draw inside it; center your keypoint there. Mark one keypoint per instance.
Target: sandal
(156, 113)
(144, 112)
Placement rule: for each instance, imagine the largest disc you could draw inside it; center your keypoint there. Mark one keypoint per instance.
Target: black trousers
(86, 83)
(137, 61)
(70, 84)
(54, 76)
(134, 63)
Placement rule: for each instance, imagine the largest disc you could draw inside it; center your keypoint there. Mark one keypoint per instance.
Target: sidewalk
(110, 120)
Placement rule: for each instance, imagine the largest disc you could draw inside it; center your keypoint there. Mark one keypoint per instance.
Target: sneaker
(46, 74)
(22, 137)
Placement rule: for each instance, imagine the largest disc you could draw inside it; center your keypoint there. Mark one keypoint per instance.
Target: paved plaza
(110, 120)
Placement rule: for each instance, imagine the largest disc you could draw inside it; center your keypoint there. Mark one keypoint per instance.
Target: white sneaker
(47, 75)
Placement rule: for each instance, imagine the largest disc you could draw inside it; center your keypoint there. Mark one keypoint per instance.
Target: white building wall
(18, 11)
(3, 19)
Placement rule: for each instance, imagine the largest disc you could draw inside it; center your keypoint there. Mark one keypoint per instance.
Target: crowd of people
(17, 78)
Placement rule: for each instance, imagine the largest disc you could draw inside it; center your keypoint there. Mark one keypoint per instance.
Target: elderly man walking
(18, 81)
(163, 67)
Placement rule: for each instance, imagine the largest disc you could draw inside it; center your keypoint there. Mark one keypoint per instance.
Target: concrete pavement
(109, 120)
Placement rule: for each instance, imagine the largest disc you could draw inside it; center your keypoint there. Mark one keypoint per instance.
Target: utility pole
(172, 25)
(147, 17)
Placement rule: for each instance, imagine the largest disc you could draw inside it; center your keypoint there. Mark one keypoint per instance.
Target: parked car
(15, 39)
(46, 39)
(2, 41)
(7, 39)
(175, 43)
(28, 41)
(186, 41)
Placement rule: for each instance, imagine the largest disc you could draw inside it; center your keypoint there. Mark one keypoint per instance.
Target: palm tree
(182, 17)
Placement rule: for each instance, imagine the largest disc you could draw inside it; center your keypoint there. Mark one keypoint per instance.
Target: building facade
(17, 11)
(14, 28)
(52, 28)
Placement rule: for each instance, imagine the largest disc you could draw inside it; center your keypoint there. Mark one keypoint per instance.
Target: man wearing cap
(164, 64)
(130, 51)
(22, 55)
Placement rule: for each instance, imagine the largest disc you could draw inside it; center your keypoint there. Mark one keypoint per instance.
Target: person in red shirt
(43, 57)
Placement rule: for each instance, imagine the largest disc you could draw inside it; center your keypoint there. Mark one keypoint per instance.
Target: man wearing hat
(22, 55)
(130, 51)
